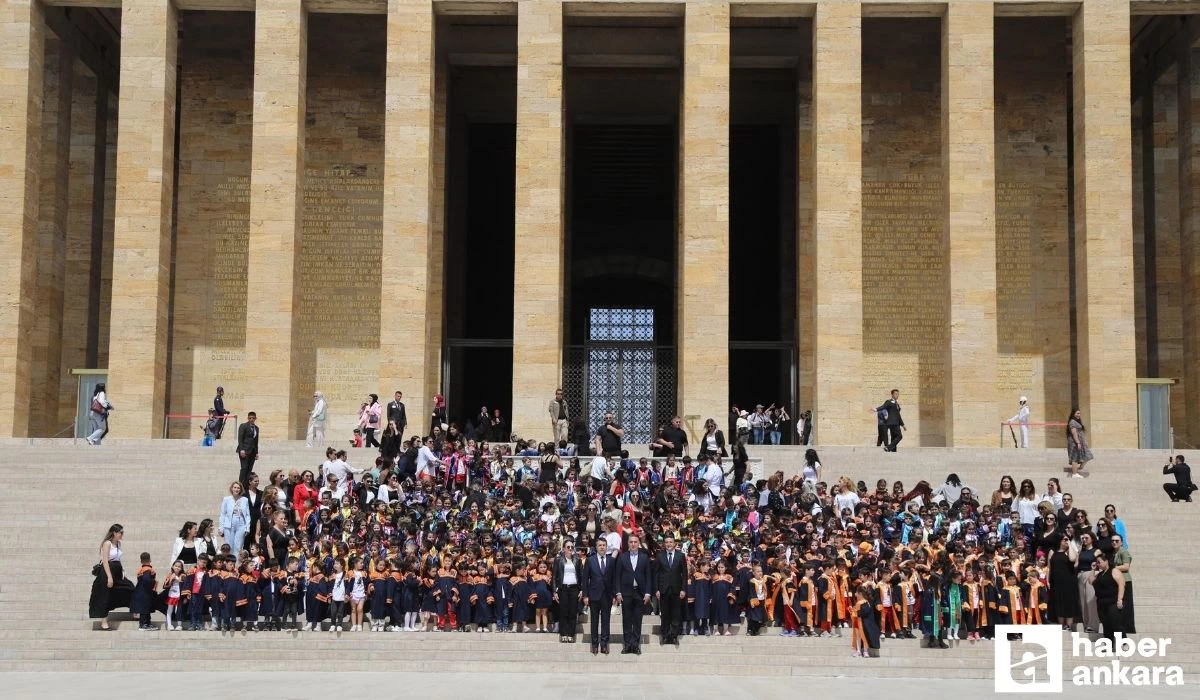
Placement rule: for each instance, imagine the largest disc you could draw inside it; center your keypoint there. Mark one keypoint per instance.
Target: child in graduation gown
(974, 608)
(699, 595)
(804, 602)
(393, 585)
(231, 591)
(247, 597)
(724, 599)
(268, 595)
(142, 602)
(316, 598)
(522, 611)
(1010, 610)
(430, 600)
(931, 612)
(446, 596)
(502, 591)
(412, 599)
(466, 590)
(485, 598)
(952, 602)
(377, 592)
(756, 615)
(866, 630)
(1037, 599)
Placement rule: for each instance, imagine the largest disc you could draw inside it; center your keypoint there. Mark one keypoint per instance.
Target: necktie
(602, 565)
(670, 558)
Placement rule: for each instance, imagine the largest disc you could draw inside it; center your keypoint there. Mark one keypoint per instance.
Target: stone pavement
(704, 684)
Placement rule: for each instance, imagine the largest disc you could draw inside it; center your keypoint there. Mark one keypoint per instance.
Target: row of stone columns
(410, 340)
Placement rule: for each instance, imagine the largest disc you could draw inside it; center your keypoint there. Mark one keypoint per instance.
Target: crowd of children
(475, 554)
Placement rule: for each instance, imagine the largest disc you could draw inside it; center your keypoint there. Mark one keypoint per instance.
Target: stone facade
(301, 246)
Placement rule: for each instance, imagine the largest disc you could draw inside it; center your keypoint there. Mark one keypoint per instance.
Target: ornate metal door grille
(621, 370)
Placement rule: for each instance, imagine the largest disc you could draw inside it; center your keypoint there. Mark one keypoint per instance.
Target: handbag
(97, 569)
(97, 407)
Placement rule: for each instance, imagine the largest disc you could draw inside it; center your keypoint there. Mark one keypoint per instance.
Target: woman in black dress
(1083, 574)
(277, 540)
(1064, 589)
(1110, 590)
(109, 579)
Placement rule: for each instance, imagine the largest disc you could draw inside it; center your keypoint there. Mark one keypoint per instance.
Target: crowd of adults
(449, 533)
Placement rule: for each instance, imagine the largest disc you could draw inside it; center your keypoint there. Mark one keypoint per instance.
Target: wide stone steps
(153, 486)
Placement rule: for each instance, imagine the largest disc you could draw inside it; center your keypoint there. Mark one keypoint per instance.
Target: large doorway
(622, 86)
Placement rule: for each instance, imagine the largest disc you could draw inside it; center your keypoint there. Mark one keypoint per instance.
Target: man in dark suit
(598, 594)
(634, 581)
(395, 412)
(670, 574)
(247, 447)
(220, 412)
(893, 422)
(565, 582)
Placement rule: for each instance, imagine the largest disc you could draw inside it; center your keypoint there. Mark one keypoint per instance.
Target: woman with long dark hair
(712, 443)
(1064, 591)
(188, 547)
(109, 577)
(437, 418)
(1078, 453)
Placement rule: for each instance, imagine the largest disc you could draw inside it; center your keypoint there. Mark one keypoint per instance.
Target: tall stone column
(142, 233)
(410, 331)
(1189, 236)
(52, 234)
(23, 26)
(840, 407)
(969, 154)
(702, 294)
(276, 198)
(539, 245)
(1106, 364)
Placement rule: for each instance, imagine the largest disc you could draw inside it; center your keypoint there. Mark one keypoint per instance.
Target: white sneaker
(1077, 475)
(340, 628)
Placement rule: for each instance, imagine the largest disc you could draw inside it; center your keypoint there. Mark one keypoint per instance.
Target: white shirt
(845, 499)
(600, 468)
(569, 573)
(1028, 510)
(425, 461)
(613, 540)
(810, 473)
(1056, 499)
(714, 476)
(339, 588)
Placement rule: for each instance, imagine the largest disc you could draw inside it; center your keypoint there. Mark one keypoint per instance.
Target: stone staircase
(60, 497)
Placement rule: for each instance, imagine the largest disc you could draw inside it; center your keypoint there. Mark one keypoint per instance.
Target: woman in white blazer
(235, 518)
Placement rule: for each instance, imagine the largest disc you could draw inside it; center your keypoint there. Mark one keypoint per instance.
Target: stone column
(840, 407)
(23, 27)
(1189, 238)
(52, 233)
(276, 198)
(142, 233)
(702, 292)
(969, 164)
(539, 245)
(410, 331)
(1106, 364)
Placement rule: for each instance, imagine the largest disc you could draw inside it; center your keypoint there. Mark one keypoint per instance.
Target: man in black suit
(670, 572)
(598, 594)
(247, 447)
(395, 412)
(634, 582)
(565, 582)
(893, 423)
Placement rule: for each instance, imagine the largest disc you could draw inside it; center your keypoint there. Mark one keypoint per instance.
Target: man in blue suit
(598, 594)
(634, 582)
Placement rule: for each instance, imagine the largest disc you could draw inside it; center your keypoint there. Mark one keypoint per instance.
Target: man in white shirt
(713, 474)
(601, 473)
(339, 468)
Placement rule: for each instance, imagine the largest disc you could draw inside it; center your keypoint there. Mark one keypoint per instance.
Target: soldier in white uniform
(1022, 419)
